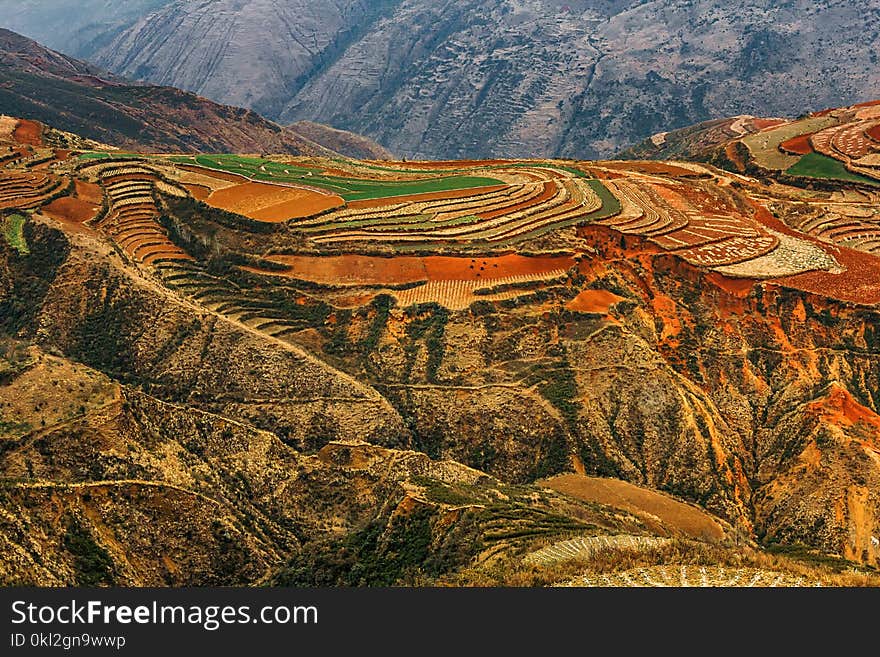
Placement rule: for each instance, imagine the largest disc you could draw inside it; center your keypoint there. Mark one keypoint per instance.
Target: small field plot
(13, 233)
(816, 165)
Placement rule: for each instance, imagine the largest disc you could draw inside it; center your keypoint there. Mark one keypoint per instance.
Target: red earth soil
(272, 203)
(548, 193)
(199, 192)
(870, 103)
(860, 283)
(429, 196)
(839, 408)
(763, 124)
(874, 133)
(594, 301)
(799, 145)
(71, 210)
(735, 287)
(28, 132)
(376, 270)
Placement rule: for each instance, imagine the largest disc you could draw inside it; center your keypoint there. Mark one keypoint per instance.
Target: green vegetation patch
(351, 189)
(92, 563)
(816, 165)
(13, 233)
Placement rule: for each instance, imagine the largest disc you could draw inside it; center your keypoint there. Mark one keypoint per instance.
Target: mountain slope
(76, 28)
(509, 78)
(71, 95)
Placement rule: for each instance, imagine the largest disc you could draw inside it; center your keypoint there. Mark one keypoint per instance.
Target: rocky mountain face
(75, 28)
(528, 78)
(138, 116)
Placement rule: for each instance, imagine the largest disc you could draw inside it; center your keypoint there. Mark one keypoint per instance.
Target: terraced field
(582, 548)
(765, 146)
(691, 576)
(836, 145)
(349, 188)
(23, 191)
(132, 216)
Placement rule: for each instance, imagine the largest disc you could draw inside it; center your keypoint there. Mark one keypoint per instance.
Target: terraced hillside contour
(665, 325)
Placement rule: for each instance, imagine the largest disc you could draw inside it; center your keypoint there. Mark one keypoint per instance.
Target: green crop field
(351, 189)
(816, 165)
(13, 232)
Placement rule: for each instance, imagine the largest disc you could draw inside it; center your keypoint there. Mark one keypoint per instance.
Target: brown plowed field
(430, 196)
(213, 173)
(594, 301)
(89, 192)
(28, 132)
(71, 210)
(648, 504)
(272, 203)
(199, 192)
(799, 145)
(858, 284)
(874, 133)
(375, 270)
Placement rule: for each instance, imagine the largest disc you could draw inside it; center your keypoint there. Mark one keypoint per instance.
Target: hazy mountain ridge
(72, 95)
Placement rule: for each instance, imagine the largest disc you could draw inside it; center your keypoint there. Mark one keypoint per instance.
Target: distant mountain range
(472, 78)
(71, 95)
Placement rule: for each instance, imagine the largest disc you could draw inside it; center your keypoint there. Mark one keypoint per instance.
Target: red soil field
(649, 505)
(376, 270)
(71, 210)
(272, 203)
(860, 283)
(799, 145)
(874, 133)
(28, 132)
(199, 192)
(763, 124)
(870, 103)
(429, 196)
(594, 301)
(548, 193)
